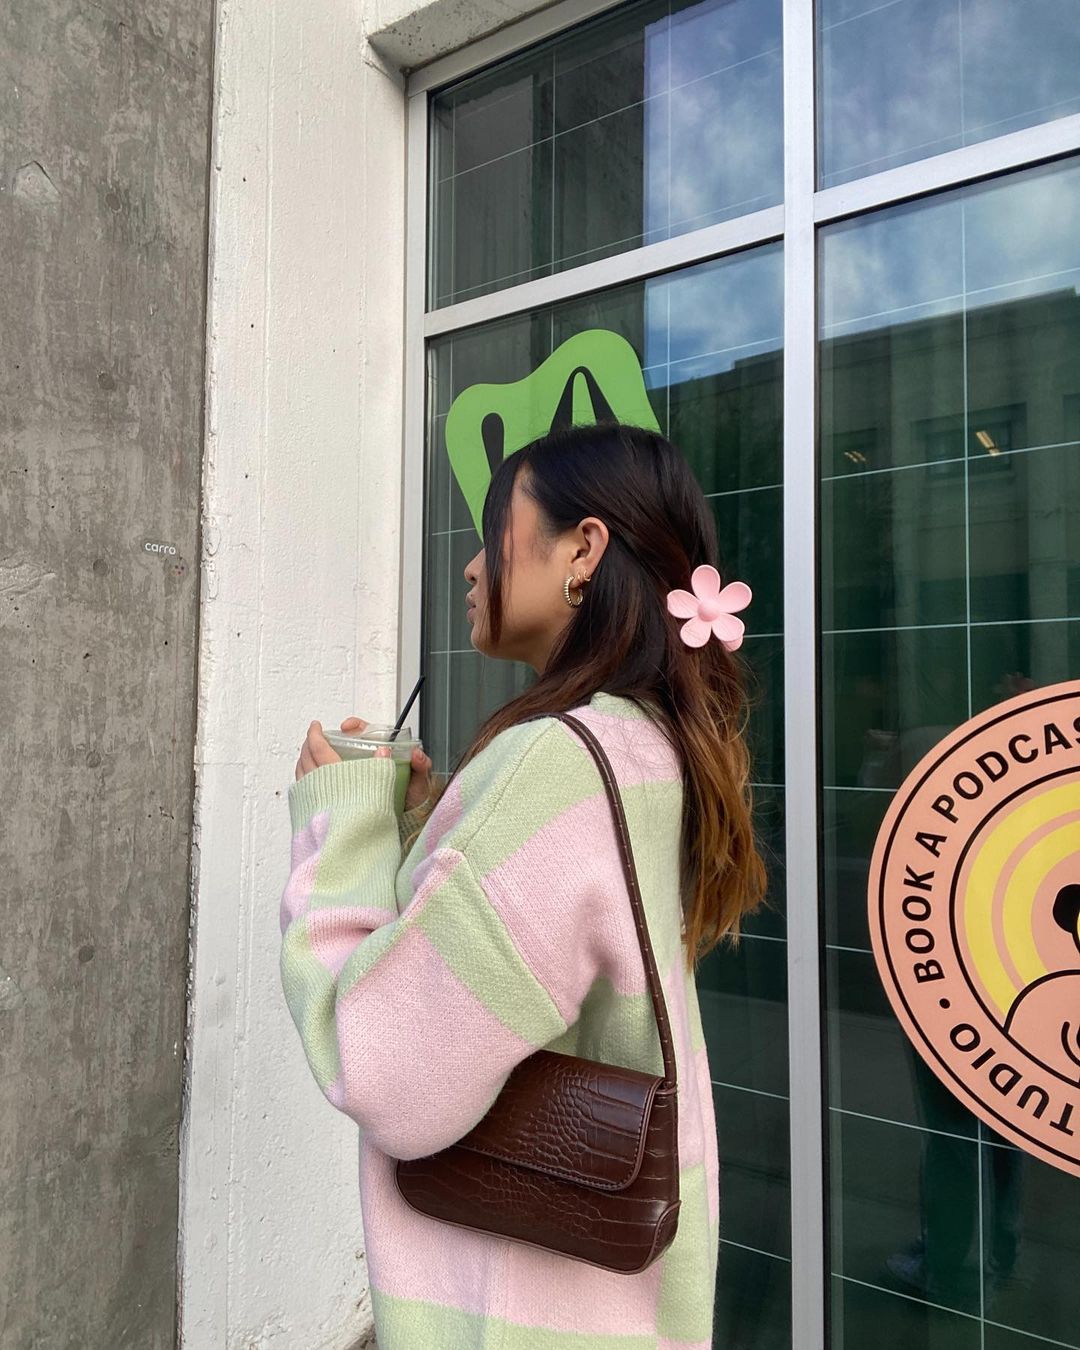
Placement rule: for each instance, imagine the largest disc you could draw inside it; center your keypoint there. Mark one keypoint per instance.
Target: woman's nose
(472, 568)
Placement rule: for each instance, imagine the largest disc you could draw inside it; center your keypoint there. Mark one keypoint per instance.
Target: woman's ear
(593, 540)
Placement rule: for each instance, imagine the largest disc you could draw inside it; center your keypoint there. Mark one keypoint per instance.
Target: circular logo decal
(975, 917)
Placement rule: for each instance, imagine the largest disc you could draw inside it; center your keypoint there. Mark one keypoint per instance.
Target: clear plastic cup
(363, 744)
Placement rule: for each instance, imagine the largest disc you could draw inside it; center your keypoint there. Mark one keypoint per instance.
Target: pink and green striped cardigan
(417, 984)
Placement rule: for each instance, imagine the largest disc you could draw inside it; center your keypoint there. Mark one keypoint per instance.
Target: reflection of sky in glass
(704, 321)
(1024, 232)
(720, 34)
(652, 121)
(1041, 77)
(727, 143)
(906, 79)
(722, 154)
(903, 259)
(1013, 238)
(890, 87)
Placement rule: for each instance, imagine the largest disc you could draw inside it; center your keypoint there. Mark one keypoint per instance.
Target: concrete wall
(103, 169)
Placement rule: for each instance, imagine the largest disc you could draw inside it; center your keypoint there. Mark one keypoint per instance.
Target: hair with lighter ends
(622, 641)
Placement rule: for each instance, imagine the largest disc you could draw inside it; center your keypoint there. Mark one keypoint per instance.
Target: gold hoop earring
(574, 604)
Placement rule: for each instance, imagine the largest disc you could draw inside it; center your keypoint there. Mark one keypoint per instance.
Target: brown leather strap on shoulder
(626, 853)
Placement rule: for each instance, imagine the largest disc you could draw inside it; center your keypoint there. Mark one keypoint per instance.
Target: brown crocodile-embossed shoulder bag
(574, 1156)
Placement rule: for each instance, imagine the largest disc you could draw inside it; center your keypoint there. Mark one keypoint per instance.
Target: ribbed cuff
(367, 783)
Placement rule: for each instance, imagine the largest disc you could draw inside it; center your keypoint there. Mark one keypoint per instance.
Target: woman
(417, 985)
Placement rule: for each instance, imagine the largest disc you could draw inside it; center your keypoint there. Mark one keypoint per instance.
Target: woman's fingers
(421, 771)
(354, 724)
(321, 750)
(419, 781)
(315, 752)
(421, 763)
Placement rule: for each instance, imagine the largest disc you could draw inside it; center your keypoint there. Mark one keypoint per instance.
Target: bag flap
(570, 1118)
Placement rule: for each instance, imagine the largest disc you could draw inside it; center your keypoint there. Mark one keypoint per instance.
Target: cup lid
(373, 734)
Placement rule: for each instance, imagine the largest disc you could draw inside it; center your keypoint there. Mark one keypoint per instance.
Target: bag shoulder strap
(626, 854)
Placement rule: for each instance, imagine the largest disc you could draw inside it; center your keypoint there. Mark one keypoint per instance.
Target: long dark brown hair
(622, 641)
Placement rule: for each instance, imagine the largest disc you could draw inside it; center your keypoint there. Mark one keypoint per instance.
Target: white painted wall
(299, 620)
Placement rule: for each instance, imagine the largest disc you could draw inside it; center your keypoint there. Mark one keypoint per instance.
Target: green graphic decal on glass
(594, 376)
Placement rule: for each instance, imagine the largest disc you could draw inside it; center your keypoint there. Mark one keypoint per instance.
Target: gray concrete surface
(104, 140)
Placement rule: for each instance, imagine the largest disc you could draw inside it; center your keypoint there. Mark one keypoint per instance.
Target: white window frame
(796, 223)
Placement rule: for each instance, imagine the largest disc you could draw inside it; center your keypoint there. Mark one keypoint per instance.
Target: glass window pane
(950, 500)
(659, 118)
(911, 78)
(708, 343)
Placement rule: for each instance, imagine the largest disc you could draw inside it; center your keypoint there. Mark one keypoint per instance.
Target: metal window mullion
(696, 246)
(954, 168)
(415, 411)
(801, 682)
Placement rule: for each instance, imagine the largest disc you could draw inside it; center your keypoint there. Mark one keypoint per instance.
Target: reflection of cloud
(891, 83)
(723, 308)
(716, 34)
(714, 146)
(1016, 237)
(727, 141)
(1043, 67)
(1023, 229)
(898, 259)
(907, 80)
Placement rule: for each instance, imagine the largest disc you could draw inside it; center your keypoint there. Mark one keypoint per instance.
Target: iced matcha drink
(363, 744)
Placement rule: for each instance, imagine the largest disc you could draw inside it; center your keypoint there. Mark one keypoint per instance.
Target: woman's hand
(315, 752)
(419, 789)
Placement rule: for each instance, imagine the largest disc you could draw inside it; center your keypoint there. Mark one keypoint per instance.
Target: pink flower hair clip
(710, 611)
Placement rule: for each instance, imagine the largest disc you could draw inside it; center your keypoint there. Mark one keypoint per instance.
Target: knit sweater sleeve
(415, 996)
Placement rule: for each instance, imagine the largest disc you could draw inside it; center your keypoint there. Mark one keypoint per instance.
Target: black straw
(405, 711)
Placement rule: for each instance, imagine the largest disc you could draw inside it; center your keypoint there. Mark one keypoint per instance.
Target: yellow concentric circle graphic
(998, 922)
